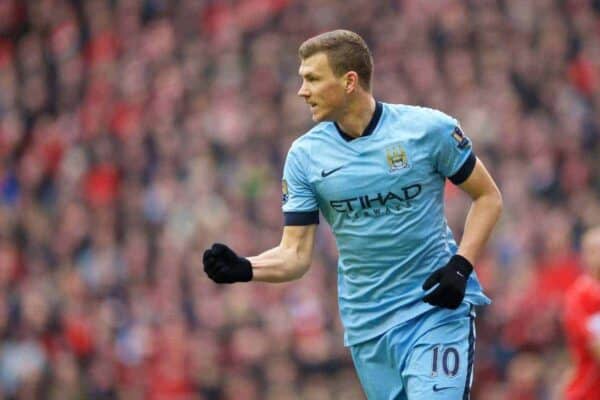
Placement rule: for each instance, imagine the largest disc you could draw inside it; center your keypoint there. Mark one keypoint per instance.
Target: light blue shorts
(429, 357)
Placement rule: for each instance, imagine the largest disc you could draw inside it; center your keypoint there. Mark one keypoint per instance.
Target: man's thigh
(427, 358)
(379, 377)
(439, 364)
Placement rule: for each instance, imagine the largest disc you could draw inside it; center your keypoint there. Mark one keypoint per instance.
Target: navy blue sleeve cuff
(465, 171)
(301, 218)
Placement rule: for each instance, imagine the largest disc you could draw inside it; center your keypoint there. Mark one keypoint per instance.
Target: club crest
(396, 157)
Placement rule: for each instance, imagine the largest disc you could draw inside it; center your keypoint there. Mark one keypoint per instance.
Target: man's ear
(350, 81)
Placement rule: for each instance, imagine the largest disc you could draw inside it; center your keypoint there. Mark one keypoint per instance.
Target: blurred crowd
(134, 133)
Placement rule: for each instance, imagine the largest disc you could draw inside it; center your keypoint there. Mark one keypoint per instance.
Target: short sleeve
(299, 203)
(452, 149)
(575, 320)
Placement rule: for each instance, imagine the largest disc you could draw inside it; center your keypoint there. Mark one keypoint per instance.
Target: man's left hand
(452, 283)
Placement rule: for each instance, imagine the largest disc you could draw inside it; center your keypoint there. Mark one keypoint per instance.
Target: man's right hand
(222, 265)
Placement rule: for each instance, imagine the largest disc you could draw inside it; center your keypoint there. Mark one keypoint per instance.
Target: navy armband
(296, 218)
(465, 171)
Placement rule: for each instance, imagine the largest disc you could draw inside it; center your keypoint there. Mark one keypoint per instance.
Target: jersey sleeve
(577, 322)
(299, 203)
(452, 149)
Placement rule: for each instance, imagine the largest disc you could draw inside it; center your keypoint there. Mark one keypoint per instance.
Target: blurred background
(134, 133)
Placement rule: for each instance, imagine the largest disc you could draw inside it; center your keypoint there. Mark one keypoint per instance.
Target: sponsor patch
(284, 192)
(461, 140)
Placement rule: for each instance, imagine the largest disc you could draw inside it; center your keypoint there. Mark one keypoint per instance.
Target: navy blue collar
(369, 129)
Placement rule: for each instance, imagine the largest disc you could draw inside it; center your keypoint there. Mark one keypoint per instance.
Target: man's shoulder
(420, 115)
(581, 284)
(314, 135)
(584, 289)
(415, 109)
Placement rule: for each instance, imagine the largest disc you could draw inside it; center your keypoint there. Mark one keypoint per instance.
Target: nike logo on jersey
(436, 388)
(331, 171)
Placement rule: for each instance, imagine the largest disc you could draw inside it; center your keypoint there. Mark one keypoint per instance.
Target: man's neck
(357, 116)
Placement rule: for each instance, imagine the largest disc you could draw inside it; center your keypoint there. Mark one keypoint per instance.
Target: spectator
(582, 322)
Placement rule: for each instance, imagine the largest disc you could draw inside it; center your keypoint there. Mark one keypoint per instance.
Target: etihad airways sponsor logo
(392, 200)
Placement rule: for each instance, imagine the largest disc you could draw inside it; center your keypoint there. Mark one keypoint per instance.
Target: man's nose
(303, 91)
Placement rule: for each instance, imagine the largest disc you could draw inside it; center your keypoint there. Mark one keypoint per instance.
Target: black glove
(222, 265)
(452, 279)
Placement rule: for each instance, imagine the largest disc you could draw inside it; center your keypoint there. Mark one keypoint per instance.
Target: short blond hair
(345, 50)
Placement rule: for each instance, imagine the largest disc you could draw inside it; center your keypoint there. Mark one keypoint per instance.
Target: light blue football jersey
(383, 195)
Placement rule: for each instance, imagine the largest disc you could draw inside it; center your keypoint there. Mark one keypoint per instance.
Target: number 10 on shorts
(449, 360)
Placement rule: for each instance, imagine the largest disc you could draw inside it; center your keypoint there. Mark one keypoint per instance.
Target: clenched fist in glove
(222, 265)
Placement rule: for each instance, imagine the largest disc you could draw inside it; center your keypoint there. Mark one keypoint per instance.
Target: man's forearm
(278, 265)
(482, 217)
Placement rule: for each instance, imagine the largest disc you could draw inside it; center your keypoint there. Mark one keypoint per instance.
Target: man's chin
(320, 117)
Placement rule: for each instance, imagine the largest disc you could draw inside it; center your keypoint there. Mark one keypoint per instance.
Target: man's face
(321, 89)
